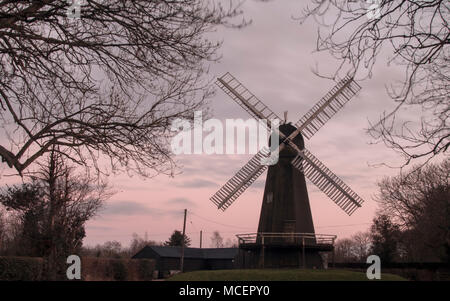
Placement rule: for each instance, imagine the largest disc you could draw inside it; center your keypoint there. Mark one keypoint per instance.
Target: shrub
(21, 268)
(119, 271)
(145, 268)
(94, 269)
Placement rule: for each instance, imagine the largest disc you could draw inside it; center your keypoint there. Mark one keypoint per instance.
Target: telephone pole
(201, 232)
(182, 243)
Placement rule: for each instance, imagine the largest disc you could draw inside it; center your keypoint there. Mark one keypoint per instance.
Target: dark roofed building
(168, 258)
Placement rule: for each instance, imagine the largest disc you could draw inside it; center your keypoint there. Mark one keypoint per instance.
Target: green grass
(279, 275)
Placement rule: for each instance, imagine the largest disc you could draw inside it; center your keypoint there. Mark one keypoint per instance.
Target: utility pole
(201, 232)
(182, 243)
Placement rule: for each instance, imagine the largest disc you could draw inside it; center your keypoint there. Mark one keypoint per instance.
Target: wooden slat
(229, 192)
(238, 92)
(332, 102)
(327, 181)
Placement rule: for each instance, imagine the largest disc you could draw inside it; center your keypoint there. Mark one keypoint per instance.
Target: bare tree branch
(106, 85)
(417, 35)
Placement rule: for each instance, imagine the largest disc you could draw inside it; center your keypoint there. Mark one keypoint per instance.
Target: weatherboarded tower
(285, 209)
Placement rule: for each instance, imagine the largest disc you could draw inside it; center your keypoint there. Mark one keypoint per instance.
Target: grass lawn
(279, 275)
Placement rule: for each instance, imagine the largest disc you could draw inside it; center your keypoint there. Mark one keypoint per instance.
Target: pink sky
(273, 58)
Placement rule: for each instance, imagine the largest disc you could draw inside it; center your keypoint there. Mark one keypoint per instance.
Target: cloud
(101, 228)
(130, 208)
(131, 187)
(181, 201)
(197, 183)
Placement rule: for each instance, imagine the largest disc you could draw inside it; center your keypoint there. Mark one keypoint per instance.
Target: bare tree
(138, 243)
(3, 230)
(344, 250)
(109, 83)
(11, 229)
(353, 249)
(416, 33)
(231, 243)
(53, 209)
(405, 198)
(419, 203)
(112, 249)
(362, 244)
(216, 240)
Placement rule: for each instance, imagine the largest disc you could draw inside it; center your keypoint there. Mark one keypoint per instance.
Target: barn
(168, 258)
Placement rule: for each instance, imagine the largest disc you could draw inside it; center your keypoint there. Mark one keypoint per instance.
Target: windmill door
(289, 230)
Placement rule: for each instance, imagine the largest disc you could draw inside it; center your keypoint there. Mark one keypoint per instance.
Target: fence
(301, 239)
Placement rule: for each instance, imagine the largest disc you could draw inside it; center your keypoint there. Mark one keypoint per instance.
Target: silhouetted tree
(419, 202)
(385, 237)
(176, 239)
(11, 233)
(231, 243)
(3, 230)
(361, 245)
(344, 250)
(111, 249)
(216, 240)
(114, 249)
(415, 34)
(53, 209)
(137, 243)
(27, 200)
(110, 82)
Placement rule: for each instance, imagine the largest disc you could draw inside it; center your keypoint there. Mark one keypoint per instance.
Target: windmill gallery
(286, 236)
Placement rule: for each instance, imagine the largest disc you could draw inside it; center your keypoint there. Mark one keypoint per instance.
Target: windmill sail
(226, 195)
(246, 99)
(332, 102)
(327, 181)
(241, 180)
(308, 125)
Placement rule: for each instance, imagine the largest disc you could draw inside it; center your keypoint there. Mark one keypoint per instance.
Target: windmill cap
(287, 129)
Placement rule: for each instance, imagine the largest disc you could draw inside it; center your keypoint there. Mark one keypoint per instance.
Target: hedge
(120, 269)
(92, 269)
(21, 268)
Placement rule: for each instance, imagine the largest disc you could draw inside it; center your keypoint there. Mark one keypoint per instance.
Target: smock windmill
(285, 224)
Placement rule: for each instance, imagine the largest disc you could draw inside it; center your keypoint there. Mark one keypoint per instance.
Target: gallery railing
(290, 238)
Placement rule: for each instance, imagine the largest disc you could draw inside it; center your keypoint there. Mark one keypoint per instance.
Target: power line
(192, 224)
(337, 226)
(130, 235)
(232, 226)
(211, 221)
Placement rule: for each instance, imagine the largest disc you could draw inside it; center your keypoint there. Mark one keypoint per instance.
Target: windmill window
(269, 197)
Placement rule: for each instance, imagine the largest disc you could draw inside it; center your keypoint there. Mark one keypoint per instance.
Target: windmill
(286, 233)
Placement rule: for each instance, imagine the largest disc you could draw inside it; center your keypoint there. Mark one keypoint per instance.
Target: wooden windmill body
(285, 206)
(286, 236)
